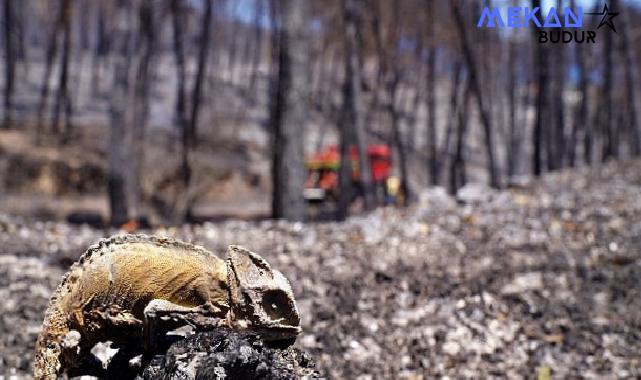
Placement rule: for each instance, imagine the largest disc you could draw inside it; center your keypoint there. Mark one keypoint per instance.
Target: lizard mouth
(277, 332)
(271, 320)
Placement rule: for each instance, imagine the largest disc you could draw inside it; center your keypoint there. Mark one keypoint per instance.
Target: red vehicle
(323, 168)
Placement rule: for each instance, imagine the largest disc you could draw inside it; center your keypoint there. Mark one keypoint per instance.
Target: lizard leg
(166, 322)
(101, 321)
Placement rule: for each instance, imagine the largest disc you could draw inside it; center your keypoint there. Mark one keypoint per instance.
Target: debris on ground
(537, 281)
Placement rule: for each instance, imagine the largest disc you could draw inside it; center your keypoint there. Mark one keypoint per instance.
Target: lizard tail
(47, 361)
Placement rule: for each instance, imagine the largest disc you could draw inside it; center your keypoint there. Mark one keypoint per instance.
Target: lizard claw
(163, 317)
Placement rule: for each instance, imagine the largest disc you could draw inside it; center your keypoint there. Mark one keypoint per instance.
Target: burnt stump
(229, 354)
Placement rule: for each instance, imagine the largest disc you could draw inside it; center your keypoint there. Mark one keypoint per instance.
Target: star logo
(606, 18)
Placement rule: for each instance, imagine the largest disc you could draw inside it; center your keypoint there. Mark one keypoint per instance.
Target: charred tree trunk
(541, 103)
(52, 47)
(147, 46)
(588, 131)
(433, 165)
(179, 56)
(317, 76)
(476, 89)
(514, 138)
(274, 106)
(326, 106)
(556, 133)
(18, 24)
(290, 113)
(258, 43)
(378, 40)
(606, 123)
(118, 165)
(457, 161)
(345, 182)
(446, 150)
(233, 40)
(200, 73)
(374, 107)
(62, 97)
(101, 49)
(182, 207)
(581, 112)
(633, 127)
(353, 114)
(398, 138)
(392, 80)
(10, 60)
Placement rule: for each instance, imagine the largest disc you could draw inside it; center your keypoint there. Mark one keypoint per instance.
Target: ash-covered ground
(540, 281)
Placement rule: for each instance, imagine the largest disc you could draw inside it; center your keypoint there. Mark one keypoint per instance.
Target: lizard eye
(277, 306)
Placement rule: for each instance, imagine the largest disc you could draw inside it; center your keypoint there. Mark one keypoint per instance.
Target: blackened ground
(516, 283)
(229, 355)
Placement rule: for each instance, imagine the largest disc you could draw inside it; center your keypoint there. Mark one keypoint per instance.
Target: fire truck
(323, 167)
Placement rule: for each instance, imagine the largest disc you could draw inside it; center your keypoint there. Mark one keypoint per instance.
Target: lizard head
(261, 297)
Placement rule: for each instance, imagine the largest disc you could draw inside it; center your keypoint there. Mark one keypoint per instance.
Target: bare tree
(389, 77)
(187, 124)
(10, 60)
(274, 104)
(191, 133)
(258, 43)
(633, 107)
(581, 111)
(200, 72)
(346, 187)
(556, 132)
(233, 40)
(476, 89)
(352, 125)
(140, 105)
(393, 91)
(290, 113)
(179, 55)
(274, 49)
(118, 163)
(588, 128)
(457, 162)
(182, 205)
(20, 27)
(447, 149)
(62, 96)
(432, 161)
(541, 100)
(50, 55)
(101, 48)
(606, 124)
(514, 138)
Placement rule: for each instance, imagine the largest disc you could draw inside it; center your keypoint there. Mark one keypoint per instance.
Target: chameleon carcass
(108, 293)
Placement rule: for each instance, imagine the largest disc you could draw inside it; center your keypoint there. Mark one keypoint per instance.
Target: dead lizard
(104, 295)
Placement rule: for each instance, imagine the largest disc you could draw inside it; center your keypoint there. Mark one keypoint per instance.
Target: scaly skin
(121, 275)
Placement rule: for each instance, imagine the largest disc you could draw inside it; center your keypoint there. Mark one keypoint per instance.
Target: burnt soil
(537, 281)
